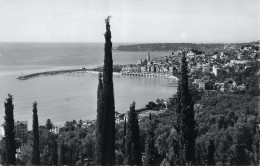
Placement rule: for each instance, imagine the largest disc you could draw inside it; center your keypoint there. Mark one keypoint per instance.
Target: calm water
(70, 96)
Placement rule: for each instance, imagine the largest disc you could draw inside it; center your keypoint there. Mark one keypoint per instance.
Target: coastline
(95, 70)
(150, 75)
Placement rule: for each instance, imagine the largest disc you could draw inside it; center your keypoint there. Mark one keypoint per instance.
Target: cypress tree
(36, 150)
(54, 156)
(133, 154)
(210, 154)
(99, 125)
(198, 155)
(106, 108)
(9, 131)
(124, 137)
(185, 117)
(108, 154)
(150, 150)
(49, 124)
(61, 154)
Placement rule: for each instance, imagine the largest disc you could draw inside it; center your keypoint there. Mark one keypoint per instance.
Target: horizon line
(57, 42)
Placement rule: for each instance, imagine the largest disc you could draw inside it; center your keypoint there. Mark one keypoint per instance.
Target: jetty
(28, 76)
(46, 73)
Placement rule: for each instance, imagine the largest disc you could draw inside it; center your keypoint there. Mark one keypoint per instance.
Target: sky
(133, 21)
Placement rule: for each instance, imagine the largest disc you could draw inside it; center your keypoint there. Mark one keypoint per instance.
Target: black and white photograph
(130, 82)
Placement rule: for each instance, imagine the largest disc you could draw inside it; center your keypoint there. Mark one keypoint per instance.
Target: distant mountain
(174, 47)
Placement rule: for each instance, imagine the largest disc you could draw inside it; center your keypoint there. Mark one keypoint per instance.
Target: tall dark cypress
(150, 150)
(100, 121)
(185, 119)
(54, 155)
(9, 131)
(210, 154)
(36, 148)
(61, 154)
(106, 117)
(124, 137)
(133, 154)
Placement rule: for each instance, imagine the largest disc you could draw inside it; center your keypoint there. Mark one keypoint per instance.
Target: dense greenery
(36, 150)
(150, 150)
(227, 128)
(133, 154)
(10, 149)
(230, 121)
(226, 124)
(49, 124)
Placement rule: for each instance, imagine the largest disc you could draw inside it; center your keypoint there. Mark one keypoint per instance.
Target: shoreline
(55, 72)
(150, 75)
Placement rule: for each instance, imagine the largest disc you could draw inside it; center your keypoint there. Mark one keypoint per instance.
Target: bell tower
(148, 57)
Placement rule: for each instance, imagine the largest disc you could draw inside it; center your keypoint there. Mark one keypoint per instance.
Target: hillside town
(207, 71)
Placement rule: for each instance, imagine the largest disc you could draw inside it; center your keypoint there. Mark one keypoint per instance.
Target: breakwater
(46, 73)
(28, 76)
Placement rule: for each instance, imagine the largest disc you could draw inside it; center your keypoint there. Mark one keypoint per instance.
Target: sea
(70, 96)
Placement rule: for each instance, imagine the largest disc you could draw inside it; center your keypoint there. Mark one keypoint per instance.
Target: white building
(239, 61)
(205, 67)
(2, 132)
(191, 54)
(217, 70)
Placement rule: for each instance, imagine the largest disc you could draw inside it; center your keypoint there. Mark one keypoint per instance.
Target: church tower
(148, 57)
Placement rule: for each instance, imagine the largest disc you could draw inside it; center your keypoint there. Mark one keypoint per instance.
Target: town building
(143, 69)
(222, 56)
(216, 56)
(21, 129)
(205, 68)
(239, 61)
(190, 54)
(55, 130)
(217, 70)
(139, 62)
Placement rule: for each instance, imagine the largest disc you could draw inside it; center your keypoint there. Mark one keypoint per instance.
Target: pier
(28, 76)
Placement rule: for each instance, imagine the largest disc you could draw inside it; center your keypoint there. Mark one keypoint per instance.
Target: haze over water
(70, 96)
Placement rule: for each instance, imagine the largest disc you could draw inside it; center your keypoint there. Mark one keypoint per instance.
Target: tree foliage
(106, 112)
(99, 124)
(61, 153)
(49, 124)
(185, 124)
(133, 154)
(10, 148)
(210, 154)
(36, 150)
(231, 122)
(150, 150)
